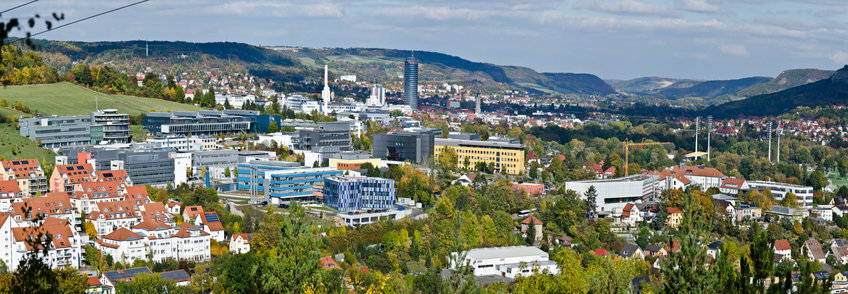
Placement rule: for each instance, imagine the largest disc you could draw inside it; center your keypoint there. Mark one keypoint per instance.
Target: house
(814, 251)
(54, 204)
(563, 240)
(713, 249)
(109, 216)
(510, 262)
(174, 207)
(240, 243)
(841, 276)
(726, 208)
(783, 248)
(64, 177)
(537, 227)
(28, 174)
(630, 215)
(654, 251)
(95, 286)
(706, 177)
(192, 243)
(748, 211)
(732, 186)
(328, 263)
(675, 246)
(180, 277)
(210, 223)
(86, 195)
(631, 251)
(823, 212)
(112, 278)
(675, 216)
(463, 180)
(192, 212)
(839, 249)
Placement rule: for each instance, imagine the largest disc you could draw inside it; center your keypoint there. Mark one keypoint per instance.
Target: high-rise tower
(378, 96)
(410, 82)
(326, 94)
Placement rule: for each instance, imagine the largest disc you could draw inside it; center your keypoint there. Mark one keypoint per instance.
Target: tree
(591, 200)
(227, 104)
(295, 268)
(227, 172)
(817, 180)
(448, 158)
(688, 270)
(90, 230)
(272, 127)
(148, 284)
(790, 200)
(71, 281)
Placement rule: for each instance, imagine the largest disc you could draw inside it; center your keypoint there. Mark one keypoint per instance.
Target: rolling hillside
(832, 90)
(709, 89)
(69, 99)
(787, 79)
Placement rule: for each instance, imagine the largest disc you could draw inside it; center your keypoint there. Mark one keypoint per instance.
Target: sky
(614, 39)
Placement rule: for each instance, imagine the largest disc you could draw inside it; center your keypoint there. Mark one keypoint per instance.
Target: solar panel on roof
(211, 217)
(175, 275)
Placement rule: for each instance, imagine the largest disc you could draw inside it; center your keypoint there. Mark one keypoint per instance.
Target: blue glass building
(359, 193)
(282, 181)
(410, 82)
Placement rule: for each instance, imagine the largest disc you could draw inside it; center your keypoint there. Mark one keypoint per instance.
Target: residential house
(174, 207)
(124, 245)
(240, 243)
(192, 243)
(86, 195)
(823, 212)
(53, 204)
(192, 212)
(732, 186)
(180, 277)
(654, 251)
(328, 263)
(814, 251)
(675, 217)
(782, 248)
(631, 251)
(748, 211)
(706, 177)
(630, 215)
(112, 278)
(210, 223)
(713, 249)
(110, 216)
(64, 177)
(28, 173)
(537, 226)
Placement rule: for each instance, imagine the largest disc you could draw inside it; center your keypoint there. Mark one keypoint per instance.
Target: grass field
(69, 99)
(23, 147)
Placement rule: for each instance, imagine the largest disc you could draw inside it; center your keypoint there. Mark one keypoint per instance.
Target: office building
(102, 126)
(109, 126)
(359, 193)
(154, 167)
(236, 101)
(614, 194)
(183, 143)
(378, 96)
(281, 182)
(56, 131)
(510, 262)
(325, 138)
(507, 157)
(299, 104)
(353, 160)
(414, 145)
(410, 82)
(804, 194)
(207, 122)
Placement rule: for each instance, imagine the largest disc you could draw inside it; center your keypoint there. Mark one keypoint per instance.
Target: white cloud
(625, 7)
(838, 56)
(699, 6)
(734, 49)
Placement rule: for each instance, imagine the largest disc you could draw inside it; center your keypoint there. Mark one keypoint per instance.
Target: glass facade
(359, 193)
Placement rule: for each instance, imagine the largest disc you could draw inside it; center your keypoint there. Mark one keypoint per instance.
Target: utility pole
(779, 133)
(697, 128)
(709, 134)
(769, 144)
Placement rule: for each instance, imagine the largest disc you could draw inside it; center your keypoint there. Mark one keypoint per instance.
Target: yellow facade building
(508, 157)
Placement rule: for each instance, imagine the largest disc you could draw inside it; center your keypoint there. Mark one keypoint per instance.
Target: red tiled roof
(244, 236)
(185, 228)
(22, 168)
(627, 208)
(328, 263)
(674, 210)
(782, 244)
(75, 173)
(60, 230)
(54, 203)
(122, 234)
(690, 170)
(531, 219)
(732, 183)
(193, 211)
(213, 226)
(111, 175)
(10, 186)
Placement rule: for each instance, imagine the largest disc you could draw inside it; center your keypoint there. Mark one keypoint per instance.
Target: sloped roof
(629, 249)
(625, 212)
(75, 173)
(243, 236)
(193, 211)
(111, 175)
(115, 210)
(103, 189)
(23, 168)
(815, 248)
(782, 244)
(123, 234)
(186, 229)
(732, 183)
(126, 275)
(151, 225)
(59, 229)
(674, 210)
(531, 219)
(10, 186)
(137, 193)
(176, 276)
(54, 203)
(328, 263)
(691, 170)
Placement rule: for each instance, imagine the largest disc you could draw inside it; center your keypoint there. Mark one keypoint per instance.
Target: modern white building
(326, 94)
(378, 96)
(614, 194)
(804, 194)
(236, 101)
(299, 104)
(706, 177)
(508, 262)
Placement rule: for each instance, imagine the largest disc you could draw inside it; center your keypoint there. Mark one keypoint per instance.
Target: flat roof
(476, 143)
(777, 184)
(504, 252)
(633, 178)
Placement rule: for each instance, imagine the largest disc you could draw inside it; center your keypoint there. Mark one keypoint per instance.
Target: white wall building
(804, 194)
(614, 194)
(240, 243)
(65, 251)
(509, 262)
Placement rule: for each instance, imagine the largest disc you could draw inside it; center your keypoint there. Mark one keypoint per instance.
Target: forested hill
(293, 65)
(829, 91)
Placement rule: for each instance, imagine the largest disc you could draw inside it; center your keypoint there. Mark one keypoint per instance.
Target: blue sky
(702, 39)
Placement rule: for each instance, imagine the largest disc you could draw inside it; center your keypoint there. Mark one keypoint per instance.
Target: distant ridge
(828, 91)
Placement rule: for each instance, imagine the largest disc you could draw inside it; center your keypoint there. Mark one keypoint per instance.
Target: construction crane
(627, 152)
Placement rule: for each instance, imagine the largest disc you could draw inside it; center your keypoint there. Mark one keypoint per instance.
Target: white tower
(697, 128)
(769, 138)
(779, 133)
(477, 105)
(325, 94)
(378, 96)
(709, 134)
